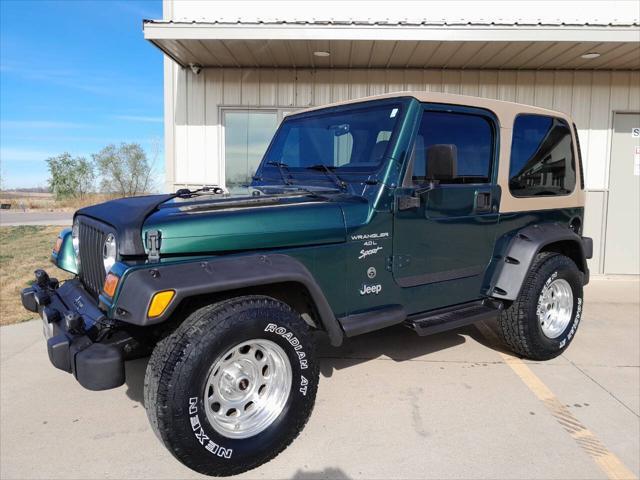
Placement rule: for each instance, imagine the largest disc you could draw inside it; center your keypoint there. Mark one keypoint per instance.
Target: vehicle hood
(212, 224)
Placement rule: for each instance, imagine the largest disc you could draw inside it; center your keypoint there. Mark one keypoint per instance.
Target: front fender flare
(213, 276)
(513, 264)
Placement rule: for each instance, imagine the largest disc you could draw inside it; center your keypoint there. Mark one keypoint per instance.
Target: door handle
(483, 202)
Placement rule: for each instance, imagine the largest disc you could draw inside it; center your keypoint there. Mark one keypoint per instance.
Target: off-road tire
(518, 325)
(181, 363)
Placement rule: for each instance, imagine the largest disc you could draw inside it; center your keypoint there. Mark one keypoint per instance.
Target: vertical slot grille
(91, 266)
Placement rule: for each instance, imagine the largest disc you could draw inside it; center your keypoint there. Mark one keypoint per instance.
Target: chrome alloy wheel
(247, 388)
(555, 308)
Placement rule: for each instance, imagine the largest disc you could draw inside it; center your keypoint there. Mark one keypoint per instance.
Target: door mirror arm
(408, 202)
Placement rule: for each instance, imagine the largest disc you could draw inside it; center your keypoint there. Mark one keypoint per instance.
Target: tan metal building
(229, 81)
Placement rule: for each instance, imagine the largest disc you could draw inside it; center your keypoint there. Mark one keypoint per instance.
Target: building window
(469, 136)
(247, 134)
(542, 162)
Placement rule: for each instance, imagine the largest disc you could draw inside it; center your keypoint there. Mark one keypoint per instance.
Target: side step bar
(453, 317)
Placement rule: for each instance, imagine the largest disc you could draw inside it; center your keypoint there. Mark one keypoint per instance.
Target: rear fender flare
(512, 264)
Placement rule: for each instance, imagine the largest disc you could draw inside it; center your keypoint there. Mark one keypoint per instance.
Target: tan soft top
(506, 111)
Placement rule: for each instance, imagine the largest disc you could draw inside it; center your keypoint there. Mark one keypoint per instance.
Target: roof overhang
(400, 45)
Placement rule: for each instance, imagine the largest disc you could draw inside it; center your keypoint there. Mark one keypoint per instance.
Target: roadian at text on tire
(423, 209)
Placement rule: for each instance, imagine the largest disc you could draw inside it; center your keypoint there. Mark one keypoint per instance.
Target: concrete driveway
(10, 219)
(390, 405)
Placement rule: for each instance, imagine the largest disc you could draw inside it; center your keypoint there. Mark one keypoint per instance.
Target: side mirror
(441, 162)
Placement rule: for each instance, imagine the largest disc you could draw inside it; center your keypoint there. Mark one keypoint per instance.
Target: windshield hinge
(152, 241)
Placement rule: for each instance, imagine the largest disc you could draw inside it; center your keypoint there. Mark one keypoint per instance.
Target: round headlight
(75, 241)
(109, 252)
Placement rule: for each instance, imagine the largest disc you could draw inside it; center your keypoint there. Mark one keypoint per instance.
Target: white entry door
(622, 250)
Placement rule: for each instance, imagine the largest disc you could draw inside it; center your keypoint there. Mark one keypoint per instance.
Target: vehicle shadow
(330, 473)
(397, 343)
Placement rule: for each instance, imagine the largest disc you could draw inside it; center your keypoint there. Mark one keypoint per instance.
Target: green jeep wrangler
(428, 210)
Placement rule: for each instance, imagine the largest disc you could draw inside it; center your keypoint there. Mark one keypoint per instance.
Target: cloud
(139, 118)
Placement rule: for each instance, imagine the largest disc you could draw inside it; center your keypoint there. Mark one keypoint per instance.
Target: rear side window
(468, 136)
(542, 162)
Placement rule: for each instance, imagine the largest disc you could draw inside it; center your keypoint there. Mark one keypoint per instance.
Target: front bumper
(71, 322)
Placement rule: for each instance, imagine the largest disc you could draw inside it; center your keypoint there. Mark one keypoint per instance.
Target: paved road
(390, 405)
(9, 218)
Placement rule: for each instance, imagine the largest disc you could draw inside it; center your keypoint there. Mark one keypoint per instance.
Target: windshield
(320, 146)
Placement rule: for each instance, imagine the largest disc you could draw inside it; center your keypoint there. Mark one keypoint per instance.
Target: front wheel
(543, 320)
(233, 386)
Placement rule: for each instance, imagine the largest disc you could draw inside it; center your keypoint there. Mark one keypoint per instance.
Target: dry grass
(46, 201)
(22, 250)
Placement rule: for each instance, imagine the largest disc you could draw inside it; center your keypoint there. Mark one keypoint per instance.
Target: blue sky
(75, 76)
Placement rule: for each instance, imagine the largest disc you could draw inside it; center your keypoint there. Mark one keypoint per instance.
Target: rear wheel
(543, 320)
(233, 386)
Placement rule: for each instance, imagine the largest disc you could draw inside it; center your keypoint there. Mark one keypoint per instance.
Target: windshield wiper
(342, 185)
(281, 168)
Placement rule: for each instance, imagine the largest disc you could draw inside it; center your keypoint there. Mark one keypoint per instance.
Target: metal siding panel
(581, 110)
(358, 80)
(544, 89)
(304, 88)
(213, 98)
(181, 127)
(547, 55)
(268, 88)
(451, 81)
(619, 91)
(470, 83)
(562, 89)
(634, 91)
(525, 82)
(231, 87)
(414, 79)
(489, 83)
(322, 87)
(395, 80)
(195, 129)
(507, 85)
(286, 88)
(377, 83)
(250, 87)
(433, 80)
(340, 85)
(599, 126)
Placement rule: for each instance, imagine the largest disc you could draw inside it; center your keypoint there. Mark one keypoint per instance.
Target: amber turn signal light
(58, 245)
(110, 284)
(160, 302)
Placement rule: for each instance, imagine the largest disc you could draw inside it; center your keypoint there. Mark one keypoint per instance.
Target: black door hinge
(152, 241)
